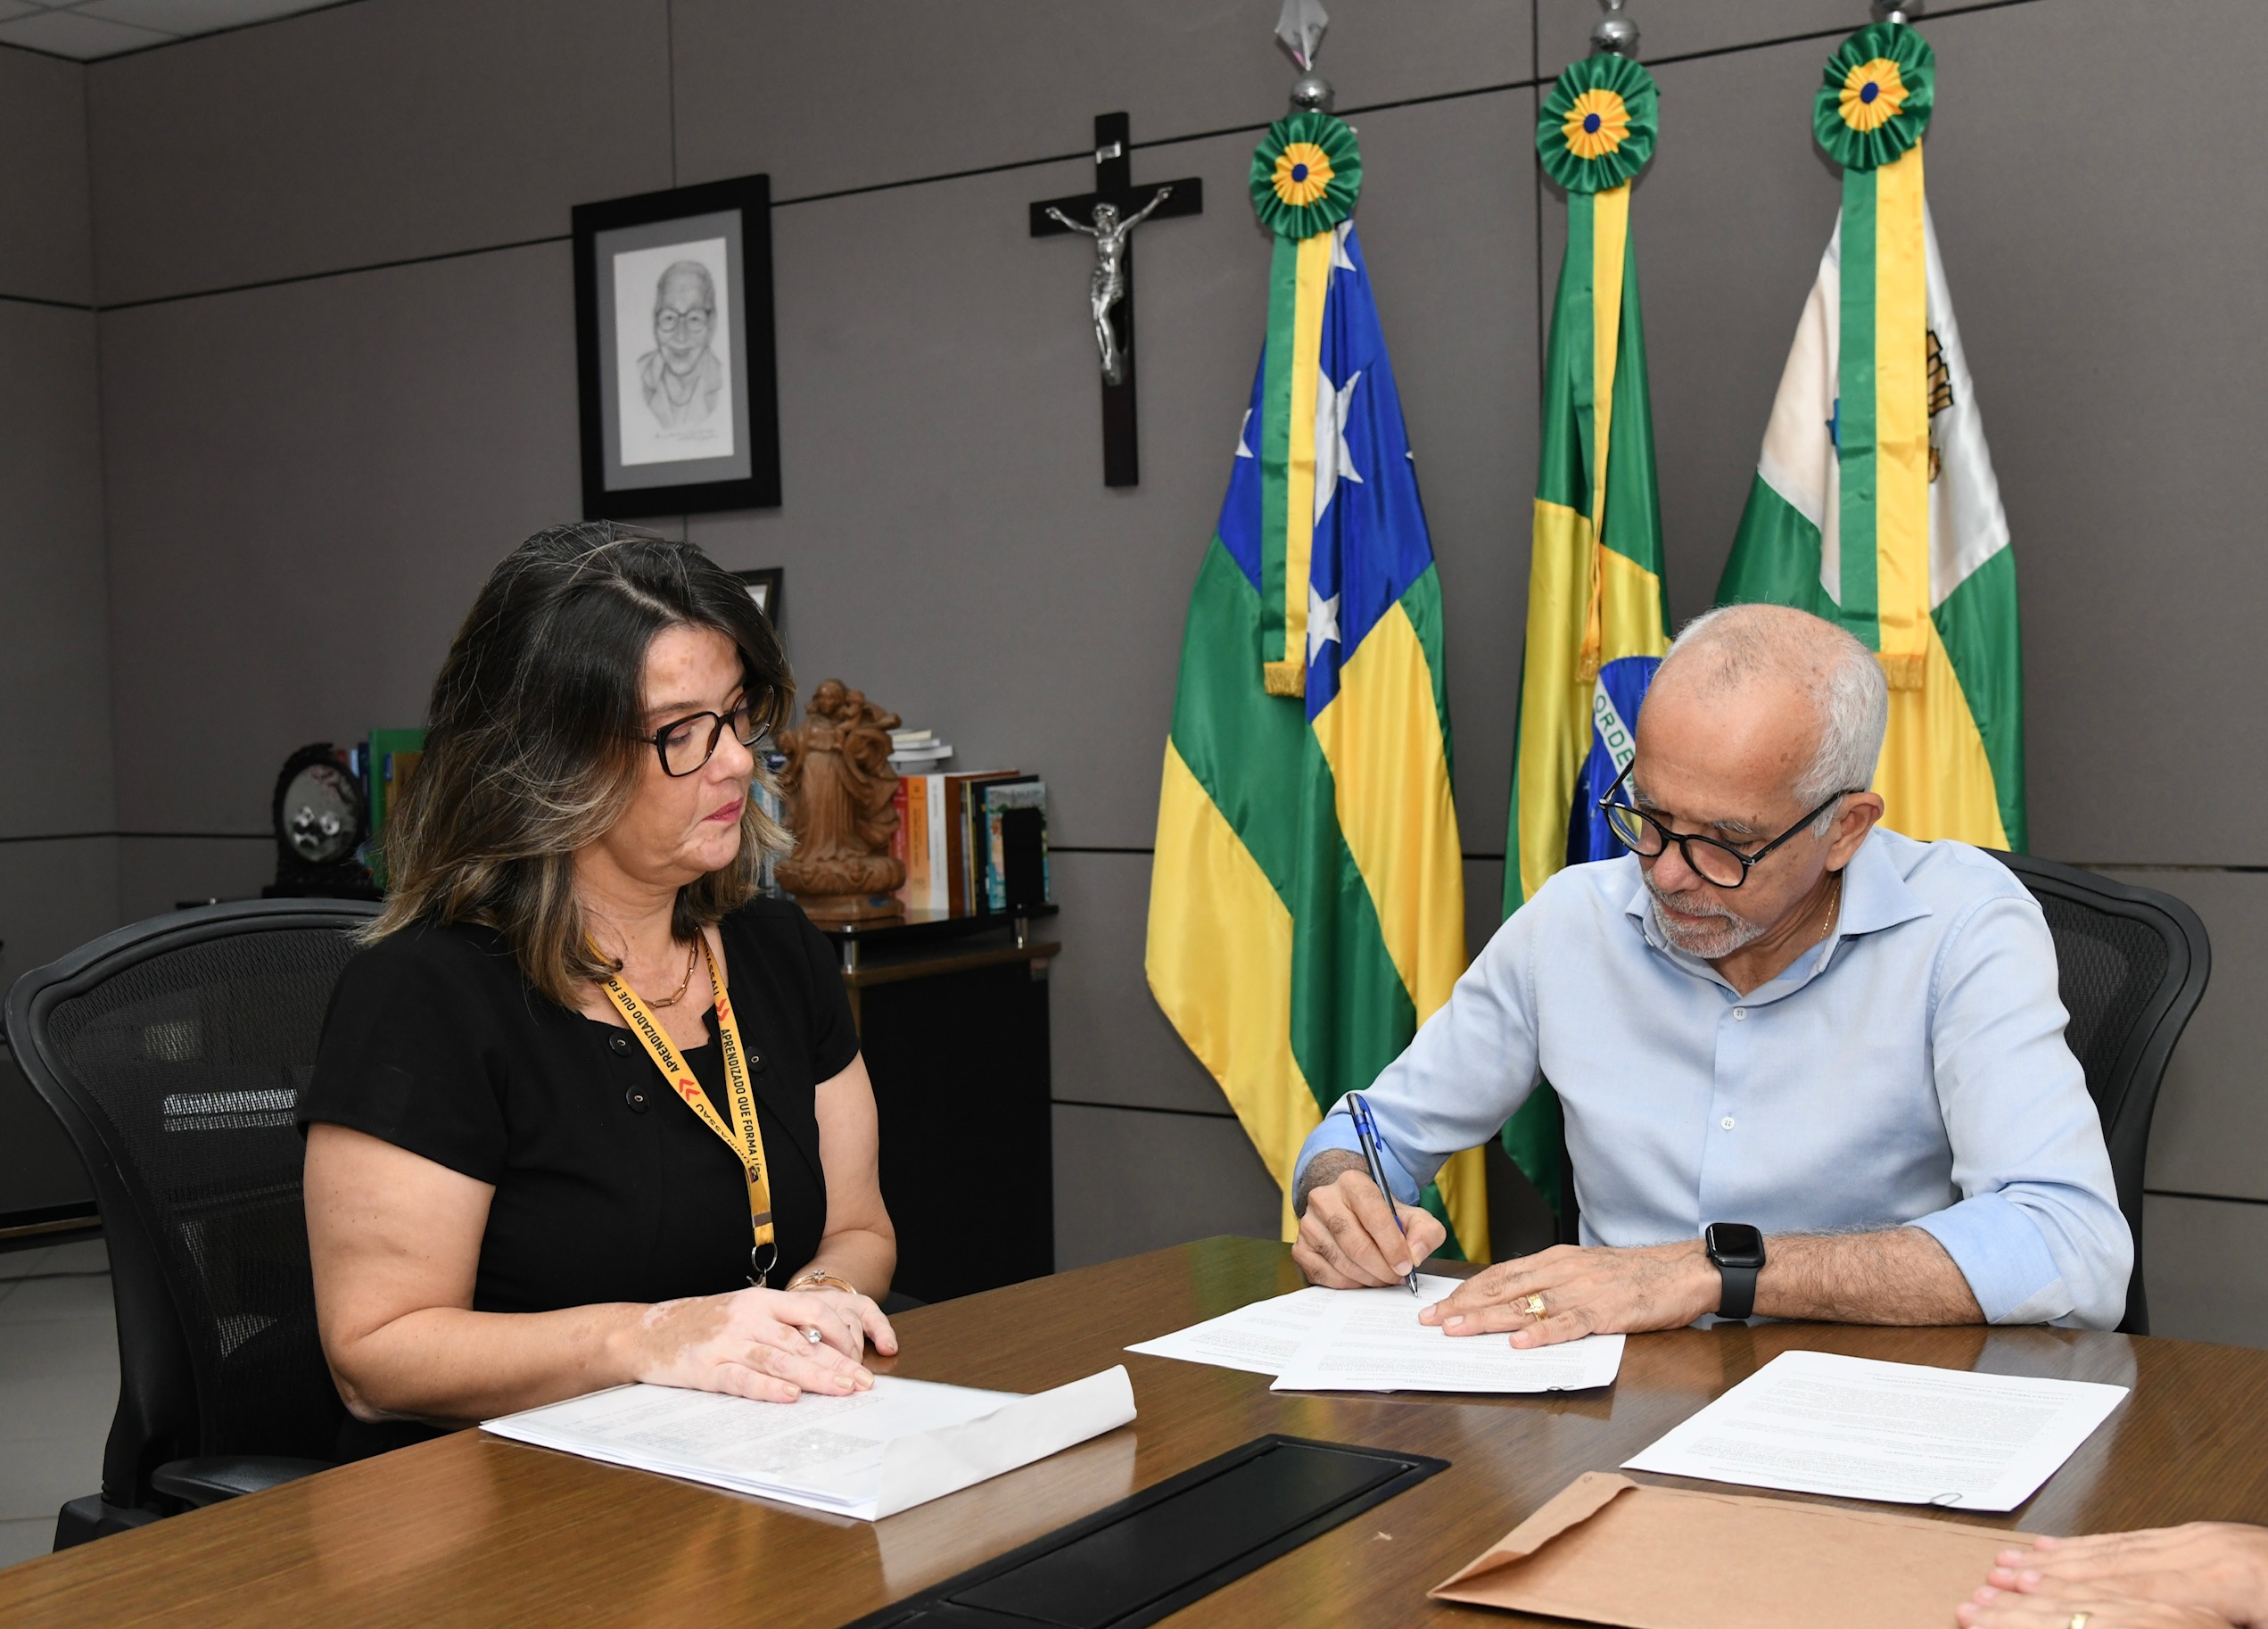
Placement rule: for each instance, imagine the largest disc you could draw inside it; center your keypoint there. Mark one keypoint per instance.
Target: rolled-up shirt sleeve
(1470, 1066)
(2038, 1232)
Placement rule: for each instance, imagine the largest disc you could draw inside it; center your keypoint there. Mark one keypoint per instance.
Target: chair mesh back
(191, 1062)
(2110, 967)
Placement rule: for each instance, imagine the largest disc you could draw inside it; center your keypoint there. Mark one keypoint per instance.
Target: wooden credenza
(953, 1017)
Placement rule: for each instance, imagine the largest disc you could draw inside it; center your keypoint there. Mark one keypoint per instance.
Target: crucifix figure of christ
(1109, 215)
(1109, 283)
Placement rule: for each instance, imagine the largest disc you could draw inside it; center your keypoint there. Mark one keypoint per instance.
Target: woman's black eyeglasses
(1716, 863)
(685, 744)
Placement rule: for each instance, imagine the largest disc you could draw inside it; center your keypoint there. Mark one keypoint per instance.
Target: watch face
(1735, 1245)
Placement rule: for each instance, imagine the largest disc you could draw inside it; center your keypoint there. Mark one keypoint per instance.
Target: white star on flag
(1335, 460)
(1339, 260)
(1243, 448)
(1323, 622)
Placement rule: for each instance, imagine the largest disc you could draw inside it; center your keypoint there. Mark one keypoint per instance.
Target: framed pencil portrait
(674, 352)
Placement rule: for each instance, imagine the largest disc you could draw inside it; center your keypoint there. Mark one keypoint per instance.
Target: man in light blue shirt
(1771, 1016)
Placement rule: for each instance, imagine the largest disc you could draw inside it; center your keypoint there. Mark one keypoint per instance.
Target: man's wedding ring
(1533, 1305)
(2079, 1620)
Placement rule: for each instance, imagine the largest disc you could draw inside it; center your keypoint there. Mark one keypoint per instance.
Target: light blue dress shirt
(1910, 1070)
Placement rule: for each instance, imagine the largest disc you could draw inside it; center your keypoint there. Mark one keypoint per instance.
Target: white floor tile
(39, 1474)
(26, 1541)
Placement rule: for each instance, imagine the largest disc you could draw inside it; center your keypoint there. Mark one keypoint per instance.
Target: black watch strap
(1738, 1297)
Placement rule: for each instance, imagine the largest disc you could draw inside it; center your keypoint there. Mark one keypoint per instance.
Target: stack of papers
(867, 1455)
(1317, 1340)
(1814, 1422)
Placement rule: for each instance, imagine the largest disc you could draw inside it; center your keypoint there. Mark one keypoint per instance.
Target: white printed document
(867, 1455)
(1372, 1341)
(1261, 1337)
(1814, 1422)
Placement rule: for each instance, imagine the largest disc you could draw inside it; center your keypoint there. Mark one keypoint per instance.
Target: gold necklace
(685, 983)
(1834, 906)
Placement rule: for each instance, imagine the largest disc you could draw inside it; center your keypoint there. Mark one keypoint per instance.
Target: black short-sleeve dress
(607, 1188)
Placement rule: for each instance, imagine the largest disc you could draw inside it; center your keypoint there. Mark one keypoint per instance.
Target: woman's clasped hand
(2203, 1575)
(758, 1343)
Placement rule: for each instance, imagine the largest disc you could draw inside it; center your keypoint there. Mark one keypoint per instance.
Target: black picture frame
(642, 451)
(768, 587)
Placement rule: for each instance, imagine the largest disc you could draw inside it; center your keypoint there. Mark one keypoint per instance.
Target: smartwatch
(1738, 1250)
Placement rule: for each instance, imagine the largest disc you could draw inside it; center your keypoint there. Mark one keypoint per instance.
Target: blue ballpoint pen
(1366, 1128)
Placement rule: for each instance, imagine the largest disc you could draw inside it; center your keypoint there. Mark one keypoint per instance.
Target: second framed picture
(673, 348)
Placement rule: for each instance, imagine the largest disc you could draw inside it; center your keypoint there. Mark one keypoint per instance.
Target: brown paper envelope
(1607, 1550)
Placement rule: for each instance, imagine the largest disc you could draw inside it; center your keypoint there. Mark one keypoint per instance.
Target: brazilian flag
(1307, 902)
(1597, 618)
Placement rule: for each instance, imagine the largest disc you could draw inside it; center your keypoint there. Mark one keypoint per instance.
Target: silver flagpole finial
(1300, 29)
(1615, 35)
(1897, 11)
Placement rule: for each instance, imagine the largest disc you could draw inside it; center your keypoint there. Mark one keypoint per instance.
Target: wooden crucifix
(1108, 217)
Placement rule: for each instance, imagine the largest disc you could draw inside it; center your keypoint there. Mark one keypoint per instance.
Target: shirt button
(1727, 1122)
(636, 1098)
(755, 1062)
(619, 1045)
(1740, 1011)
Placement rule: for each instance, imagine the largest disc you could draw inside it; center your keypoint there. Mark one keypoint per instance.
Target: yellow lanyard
(743, 1137)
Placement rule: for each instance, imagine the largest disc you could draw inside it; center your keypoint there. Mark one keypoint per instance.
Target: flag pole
(1615, 35)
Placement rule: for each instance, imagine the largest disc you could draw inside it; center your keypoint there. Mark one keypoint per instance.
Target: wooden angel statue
(838, 786)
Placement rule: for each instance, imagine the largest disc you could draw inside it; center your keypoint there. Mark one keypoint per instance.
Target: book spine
(995, 863)
(956, 847)
(913, 828)
(933, 812)
(900, 850)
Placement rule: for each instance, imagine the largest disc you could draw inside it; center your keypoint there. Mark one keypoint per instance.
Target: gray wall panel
(1127, 1180)
(1112, 1043)
(2201, 1260)
(849, 96)
(1564, 27)
(369, 133)
(157, 873)
(2212, 1119)
(55, 896)
(288, 565)
(44, 255)
(941, 457)
(56, 772)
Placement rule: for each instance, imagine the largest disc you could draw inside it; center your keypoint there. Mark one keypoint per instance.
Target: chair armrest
(208, 1481)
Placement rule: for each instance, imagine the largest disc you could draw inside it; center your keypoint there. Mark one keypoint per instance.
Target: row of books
(974, 845)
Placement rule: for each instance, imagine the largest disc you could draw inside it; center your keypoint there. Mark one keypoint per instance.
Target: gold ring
(1533, 1305)
(2079, 1620)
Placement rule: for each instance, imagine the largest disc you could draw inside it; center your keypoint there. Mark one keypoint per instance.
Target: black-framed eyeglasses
(1716, 863)
(686, 744)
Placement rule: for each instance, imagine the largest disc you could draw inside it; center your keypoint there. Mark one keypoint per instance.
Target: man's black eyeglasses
(1716, 863)
(685, 744)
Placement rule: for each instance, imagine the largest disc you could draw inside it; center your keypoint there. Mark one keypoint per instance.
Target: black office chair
(174, 1052)
(2132, 964)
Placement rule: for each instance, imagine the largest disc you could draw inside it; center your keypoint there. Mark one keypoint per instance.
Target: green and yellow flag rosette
(1875, 502)
(1307, 173)
(1870, 116)
(1597, 619)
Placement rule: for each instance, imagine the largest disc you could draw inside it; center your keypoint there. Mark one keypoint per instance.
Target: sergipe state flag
(1307, 902)
(1597, 618)
(1875, 503)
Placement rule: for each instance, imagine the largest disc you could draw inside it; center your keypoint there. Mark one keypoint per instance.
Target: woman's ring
(2079, 1620)
(1533, 1305)
(814, 1337)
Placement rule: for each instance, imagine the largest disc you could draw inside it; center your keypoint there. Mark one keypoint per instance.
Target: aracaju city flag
(1307, 902)
(1874, 502)
(1597, 619)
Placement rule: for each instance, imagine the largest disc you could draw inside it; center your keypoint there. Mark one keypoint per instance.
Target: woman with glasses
(589, 1109)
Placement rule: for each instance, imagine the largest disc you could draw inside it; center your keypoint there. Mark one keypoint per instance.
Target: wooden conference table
(473, 1530)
